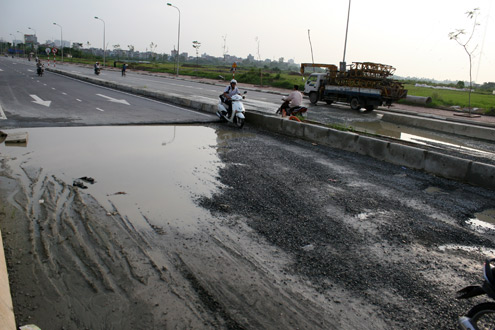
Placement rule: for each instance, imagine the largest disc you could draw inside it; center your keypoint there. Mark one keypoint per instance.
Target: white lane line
(63, 93)
(2, 114)
(100, 109)
(142, 97)
(78, 100)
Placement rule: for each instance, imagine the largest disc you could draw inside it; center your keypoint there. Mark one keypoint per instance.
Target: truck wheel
(313, 98)
(355, 105)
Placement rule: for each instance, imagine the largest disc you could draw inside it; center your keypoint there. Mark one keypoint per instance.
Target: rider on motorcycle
(230, 91)
(292, 101)
(39, 66)
(97, 67)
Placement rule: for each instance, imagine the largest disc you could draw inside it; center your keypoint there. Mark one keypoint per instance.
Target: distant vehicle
(365, 85)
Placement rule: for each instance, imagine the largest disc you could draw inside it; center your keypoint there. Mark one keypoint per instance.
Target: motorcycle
(40, 71)
(285, 110)
(97, 71)
(237, 116)
(481, 316)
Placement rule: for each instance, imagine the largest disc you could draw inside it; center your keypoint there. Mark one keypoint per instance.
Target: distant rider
(97, 67)
(292, 101)
(39, 66)
(230, 91)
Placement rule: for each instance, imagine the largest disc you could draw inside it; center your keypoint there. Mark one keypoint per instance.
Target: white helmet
(233, 81)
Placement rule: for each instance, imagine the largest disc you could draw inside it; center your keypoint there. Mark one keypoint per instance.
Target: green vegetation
(482, 99)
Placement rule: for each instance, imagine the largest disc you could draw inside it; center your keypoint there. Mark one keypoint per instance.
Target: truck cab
(312, 86)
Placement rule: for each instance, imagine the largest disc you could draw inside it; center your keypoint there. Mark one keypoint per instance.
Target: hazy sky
(412, 36)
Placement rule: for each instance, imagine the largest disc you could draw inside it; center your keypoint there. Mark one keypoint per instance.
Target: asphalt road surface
(55, 100)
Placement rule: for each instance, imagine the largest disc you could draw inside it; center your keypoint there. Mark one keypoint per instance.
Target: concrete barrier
(7, 319)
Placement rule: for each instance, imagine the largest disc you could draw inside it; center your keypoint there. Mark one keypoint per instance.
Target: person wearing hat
(230, 91)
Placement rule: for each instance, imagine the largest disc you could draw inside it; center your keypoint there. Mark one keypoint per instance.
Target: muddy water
(146, 173)
(423, 137)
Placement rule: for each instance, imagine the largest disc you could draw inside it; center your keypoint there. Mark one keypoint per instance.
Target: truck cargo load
(364, 85)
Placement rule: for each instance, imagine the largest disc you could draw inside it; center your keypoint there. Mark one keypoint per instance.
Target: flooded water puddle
(147, 173)
(418, 136)
(482, 222)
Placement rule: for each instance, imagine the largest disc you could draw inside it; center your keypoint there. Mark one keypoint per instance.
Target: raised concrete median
(7, 319)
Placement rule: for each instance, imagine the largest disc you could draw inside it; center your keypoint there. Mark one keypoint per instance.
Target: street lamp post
(342, 64)
(33, 44)
(23, 39)
(178, 38)
(61, 40)
(104, 48)
(13, 41)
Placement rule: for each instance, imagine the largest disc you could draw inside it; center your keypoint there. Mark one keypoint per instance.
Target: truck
(364, 85)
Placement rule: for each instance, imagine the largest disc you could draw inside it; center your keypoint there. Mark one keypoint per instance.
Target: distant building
(31, 39)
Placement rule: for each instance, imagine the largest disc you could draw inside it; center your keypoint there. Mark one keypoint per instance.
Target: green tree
(460, 84)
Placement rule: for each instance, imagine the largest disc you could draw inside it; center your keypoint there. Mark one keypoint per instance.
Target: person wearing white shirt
(293, 100)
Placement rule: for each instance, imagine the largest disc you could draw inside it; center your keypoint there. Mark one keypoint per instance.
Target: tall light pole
(23, 39)
(33, 44)
(178, 38)
(30, 28)
(342, 64)
(13, 41)
(104, 47)
(61, 40)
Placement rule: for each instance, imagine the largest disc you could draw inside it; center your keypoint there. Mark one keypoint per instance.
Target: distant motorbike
(97, 71)
(237, 116)
(481, 316)
(40, 71)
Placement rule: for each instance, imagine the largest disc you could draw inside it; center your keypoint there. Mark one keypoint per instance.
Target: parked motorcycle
(237, 116)
(481, 316)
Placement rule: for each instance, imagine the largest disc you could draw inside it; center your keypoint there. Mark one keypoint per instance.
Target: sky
(412, 36)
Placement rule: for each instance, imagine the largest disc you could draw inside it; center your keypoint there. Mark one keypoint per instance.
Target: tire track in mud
(82, 256)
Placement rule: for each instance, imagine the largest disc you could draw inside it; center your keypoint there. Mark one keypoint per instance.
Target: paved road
(56, 100)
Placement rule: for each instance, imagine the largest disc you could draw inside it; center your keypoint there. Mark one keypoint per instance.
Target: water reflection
(133, 172)
(419, 136)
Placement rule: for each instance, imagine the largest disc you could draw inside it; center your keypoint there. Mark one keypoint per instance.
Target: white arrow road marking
(111, 99)
(2, 114)
(39, 101)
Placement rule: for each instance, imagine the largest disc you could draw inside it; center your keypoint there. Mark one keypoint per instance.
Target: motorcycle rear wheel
(483, 316)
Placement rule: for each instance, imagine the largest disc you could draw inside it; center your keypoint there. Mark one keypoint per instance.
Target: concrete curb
(7, 318)
(469, 130)
(435, 163)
